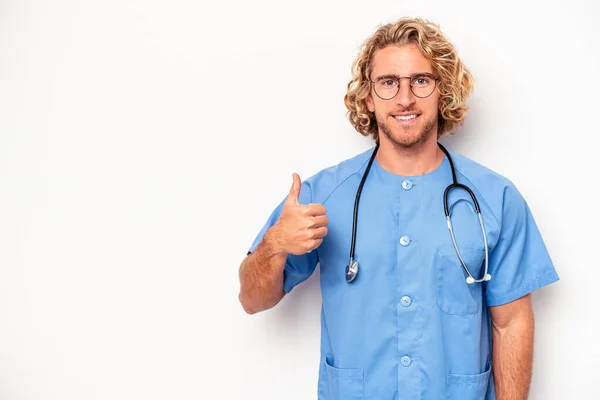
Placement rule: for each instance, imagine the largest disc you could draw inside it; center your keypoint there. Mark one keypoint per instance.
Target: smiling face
(406, 121)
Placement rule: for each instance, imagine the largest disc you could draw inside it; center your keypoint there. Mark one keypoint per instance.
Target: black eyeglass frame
(399, 79)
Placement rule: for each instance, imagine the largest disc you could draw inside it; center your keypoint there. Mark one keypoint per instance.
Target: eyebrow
(388, 76)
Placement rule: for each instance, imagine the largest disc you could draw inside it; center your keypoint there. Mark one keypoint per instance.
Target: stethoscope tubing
(352, 267)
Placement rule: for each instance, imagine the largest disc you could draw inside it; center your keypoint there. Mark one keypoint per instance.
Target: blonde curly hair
(455, 86)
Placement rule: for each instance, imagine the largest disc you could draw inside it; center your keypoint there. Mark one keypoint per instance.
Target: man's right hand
(300, 228)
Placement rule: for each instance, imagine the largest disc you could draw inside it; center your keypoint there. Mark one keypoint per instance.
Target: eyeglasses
(421, 85)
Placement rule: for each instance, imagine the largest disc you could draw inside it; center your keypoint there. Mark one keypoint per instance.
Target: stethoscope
(352, 267)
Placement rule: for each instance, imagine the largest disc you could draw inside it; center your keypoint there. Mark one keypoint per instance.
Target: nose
(405, 96)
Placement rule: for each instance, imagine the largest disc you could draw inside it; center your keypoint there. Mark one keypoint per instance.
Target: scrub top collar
(440, 173)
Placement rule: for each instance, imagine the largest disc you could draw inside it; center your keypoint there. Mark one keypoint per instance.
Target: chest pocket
(344, 384)
(454, 294)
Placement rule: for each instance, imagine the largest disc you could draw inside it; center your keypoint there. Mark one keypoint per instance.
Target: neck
(409, 161)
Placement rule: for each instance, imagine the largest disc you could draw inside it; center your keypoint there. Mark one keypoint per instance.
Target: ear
(370, 104)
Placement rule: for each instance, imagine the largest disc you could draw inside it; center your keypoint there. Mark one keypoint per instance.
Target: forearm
(261, 276)
(513, 359)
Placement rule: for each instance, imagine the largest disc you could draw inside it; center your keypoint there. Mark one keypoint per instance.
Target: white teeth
(405, 117)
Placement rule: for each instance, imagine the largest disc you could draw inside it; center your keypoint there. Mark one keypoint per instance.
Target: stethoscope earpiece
(486, 278)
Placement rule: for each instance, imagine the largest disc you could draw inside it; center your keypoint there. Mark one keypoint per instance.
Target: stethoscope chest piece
(351, 271)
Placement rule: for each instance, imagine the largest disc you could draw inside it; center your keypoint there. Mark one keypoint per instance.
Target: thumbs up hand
(300, 228)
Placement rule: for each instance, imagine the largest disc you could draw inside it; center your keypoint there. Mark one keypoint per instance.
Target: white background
(144, 143)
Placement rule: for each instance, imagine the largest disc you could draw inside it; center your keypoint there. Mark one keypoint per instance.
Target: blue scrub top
(409, 326)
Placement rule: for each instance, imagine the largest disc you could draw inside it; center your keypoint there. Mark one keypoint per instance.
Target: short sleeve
(298, 268)
(519, 263)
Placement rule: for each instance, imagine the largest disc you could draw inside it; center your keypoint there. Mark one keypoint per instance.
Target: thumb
(294, 190)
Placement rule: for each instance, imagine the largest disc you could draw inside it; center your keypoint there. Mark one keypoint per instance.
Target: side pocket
(344, 383)
(455, 295)
(468, 387)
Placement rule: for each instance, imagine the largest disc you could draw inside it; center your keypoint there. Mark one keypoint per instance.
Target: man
(411, 309)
